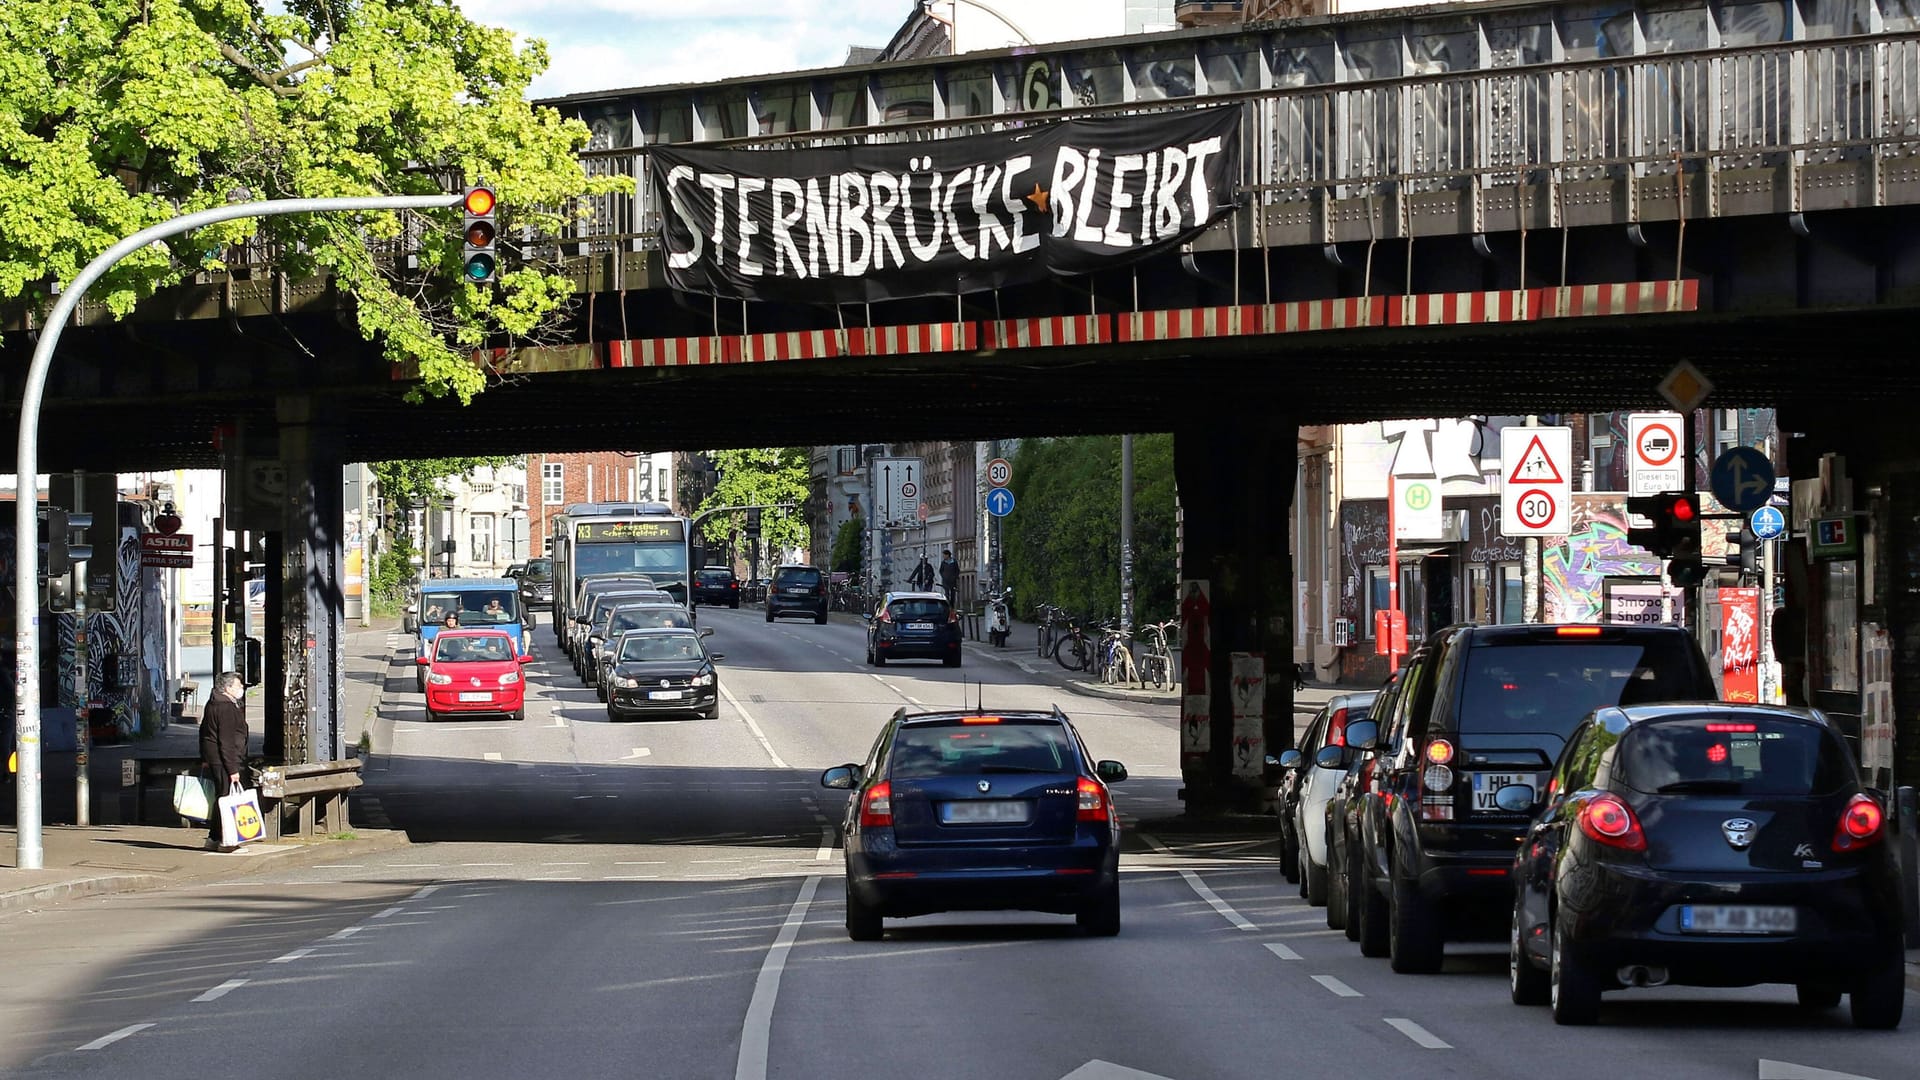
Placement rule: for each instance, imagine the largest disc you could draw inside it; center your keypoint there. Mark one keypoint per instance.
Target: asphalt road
(662, 898)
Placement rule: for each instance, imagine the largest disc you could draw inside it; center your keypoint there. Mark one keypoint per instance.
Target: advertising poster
(1249, 714)
(1196, 661)
(1740, 644)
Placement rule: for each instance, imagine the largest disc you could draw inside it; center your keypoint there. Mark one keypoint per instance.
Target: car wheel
(1290, 861)
(1336, 898)
(1574, 993)
(1816, 996)
(878, 660)
(517, 715)
(1526, 984)
(769, 614)
(863, 922)
(611, 715)
(820, 619)
(1367, 914)
(1350, 900)
(1101, 916)
(601, 693)
(1414, 944)
(950, 661)
(1877, 1001)
(735, 605)
(420, 683)
(432, 717)
(1313, 877)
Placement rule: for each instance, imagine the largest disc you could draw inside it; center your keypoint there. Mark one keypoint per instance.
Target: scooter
(999, 623)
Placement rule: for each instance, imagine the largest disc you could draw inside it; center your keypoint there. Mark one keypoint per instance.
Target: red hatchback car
(475, 671)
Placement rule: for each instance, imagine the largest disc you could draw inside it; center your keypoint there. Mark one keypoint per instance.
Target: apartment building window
(480, 538)
(553, 483)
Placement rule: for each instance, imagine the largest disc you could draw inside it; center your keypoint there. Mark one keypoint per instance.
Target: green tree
(119, 114)
(1063, 542)
(849, 547)
(407, 486)
(763, 477)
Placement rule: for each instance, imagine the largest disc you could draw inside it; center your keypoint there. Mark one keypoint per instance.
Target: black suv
(536, 585)
(716, 585)
(797, 590)
(1476, 709)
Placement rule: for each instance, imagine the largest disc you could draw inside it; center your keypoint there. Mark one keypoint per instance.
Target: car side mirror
(1364, 734)
(1110, 772)
(716, 656)
(581, 619)
(423, 661)
(1514, 798)
(413, 609)
(706, 631)
(1331, 757)
(526, 658)
(1291, 759)
(844, 777)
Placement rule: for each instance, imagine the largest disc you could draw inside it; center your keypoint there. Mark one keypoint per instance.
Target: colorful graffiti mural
(1573, 572)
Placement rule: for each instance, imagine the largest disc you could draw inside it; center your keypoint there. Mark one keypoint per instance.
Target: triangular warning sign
(1535, 466)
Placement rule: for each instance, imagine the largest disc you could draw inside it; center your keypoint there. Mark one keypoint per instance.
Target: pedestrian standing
(922, 577)
(223, 746)
(949, 574)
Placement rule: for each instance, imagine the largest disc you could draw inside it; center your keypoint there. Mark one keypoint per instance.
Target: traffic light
(61, 552)
(480, 262)
(1675, 523)
(236, 583)
(753, 525)
(1745, 546)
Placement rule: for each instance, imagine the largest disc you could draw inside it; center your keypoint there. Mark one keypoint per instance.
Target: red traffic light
(1683, 510)
(479, 200)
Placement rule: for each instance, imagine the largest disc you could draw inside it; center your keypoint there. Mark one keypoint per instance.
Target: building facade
(554, 481)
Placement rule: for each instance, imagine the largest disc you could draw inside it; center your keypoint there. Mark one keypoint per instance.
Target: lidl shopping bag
(240, 819)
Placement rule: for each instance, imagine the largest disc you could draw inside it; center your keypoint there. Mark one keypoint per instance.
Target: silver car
(1316, 774)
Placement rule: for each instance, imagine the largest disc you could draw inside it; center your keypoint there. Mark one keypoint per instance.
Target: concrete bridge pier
(1234, 466)
(307, 570)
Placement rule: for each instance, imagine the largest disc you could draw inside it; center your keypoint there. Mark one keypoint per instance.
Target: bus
(618, 538)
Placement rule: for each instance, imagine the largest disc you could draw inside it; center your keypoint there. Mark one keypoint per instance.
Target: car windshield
(918, 610)
(475, 607)
(538, 570)
(647, 618)
(644, 648)
(1734, 755)
(473, 650)
(1550, 687)
(959, 749)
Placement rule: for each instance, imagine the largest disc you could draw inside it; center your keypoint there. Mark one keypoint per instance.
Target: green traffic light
(479, 267)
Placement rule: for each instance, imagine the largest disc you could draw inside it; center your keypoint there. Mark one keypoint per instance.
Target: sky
(613, 44)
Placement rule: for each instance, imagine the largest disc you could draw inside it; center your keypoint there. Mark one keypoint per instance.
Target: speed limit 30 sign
(1535, 492)
(999, 472)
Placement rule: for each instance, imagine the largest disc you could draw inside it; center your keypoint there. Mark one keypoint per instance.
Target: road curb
(1007, 657)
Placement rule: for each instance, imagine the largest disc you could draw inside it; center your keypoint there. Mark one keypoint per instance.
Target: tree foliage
(1063, 541)
(849, 547)
(407, 486)
(119, 114)
(763, 477)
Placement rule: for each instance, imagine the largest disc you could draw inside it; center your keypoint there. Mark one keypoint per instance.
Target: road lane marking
(292, 956)
(638, 752)
(1282, 951)
(428, 890)
(222, 990)
(752, 1063)
(491, 755)
(105, 1041)
(1417, 1033)
(1787, 1070)
(339, 935)
(825, 850)
(1200, 888)
(390, 912)
(754, 727)
(1336, 987)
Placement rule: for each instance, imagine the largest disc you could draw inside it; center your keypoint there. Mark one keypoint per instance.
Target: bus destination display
(604, 532)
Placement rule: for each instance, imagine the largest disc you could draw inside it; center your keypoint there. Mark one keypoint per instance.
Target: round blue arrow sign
(999, 502)
(1768, 523)
(1743, 479)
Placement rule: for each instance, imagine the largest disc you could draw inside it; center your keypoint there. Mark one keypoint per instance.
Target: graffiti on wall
(1574, 572)
(122, 633)
(1363, 543)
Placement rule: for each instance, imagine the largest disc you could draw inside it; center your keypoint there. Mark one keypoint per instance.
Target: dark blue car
(913, 626)
(958, 811)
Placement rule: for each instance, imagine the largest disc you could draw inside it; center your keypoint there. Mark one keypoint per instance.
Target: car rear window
(1549, 687)
(649, 618)
(538, 570)
(1734, 756)
(922, 610)
(717, 577)
(960, 748)
(803, 576)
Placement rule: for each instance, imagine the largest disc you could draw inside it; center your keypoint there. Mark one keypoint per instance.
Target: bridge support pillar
(311, 567)
(1235, 471)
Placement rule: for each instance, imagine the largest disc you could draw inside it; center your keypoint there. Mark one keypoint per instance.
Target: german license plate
(665, 695)
(995, 811)
(1486, 785)
(802, 591)
(1737, 919)
(481, 695)
(919, 626)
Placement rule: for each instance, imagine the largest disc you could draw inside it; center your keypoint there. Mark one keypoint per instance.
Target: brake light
(1861, 824)
(1439, 751)
(1607, 820)
(1577, 631)
(1093, 801)
(1732, 728)
(953, 615)
(1337, 728)
(733, 585)
(979, 719)
(876, 807)
(822, 590)
(885, 615)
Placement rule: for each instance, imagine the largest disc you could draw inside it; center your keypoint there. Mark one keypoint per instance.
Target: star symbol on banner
(1038, 197)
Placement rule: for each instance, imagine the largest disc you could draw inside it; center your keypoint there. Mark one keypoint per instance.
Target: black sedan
(958, 811)
(913, 625)
(665, 670)
(1706, 845)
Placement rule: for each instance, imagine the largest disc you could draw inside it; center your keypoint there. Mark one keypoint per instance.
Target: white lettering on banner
(1015, 203)
(886, 199)
(853, 225)
(1173, 173)
(924, 251)
(748, 229)
(785, 254)
(1069, 168)
(1119, 200)
(680, 260)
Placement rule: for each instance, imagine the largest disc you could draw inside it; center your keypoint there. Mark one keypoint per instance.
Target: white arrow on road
(1787, 1070)
(1107, 1070)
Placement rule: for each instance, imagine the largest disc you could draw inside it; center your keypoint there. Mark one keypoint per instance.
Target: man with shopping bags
(223, 748)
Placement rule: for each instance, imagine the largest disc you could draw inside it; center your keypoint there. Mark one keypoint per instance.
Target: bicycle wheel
(1072, 652)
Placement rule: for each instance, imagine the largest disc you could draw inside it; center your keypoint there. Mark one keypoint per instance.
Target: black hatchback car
(716, 585)
(797, 590)
(913, 626)
(1707, 845)
(1478, 709)
(962, 811)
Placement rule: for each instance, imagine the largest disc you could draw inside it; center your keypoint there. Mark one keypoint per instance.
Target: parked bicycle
(1117, 664)
(1047, 633)
(1074, 650)
(1154, 653)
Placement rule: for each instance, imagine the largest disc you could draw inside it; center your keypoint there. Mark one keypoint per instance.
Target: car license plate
(999, 811)
(1737, 919)
(480, 696)
(919, 626)
(664, 695)
(801, 591)
(1486, 785)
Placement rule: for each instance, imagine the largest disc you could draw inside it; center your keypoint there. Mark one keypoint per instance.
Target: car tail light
(885, 615)
(733, 585)
(1860, 825)
(1337, 728)
(1439, 751)
(1093, 801)
(876, 807)
(953, 615)
(1437, 778)
(1578, 631)
(979, 719)
(822, 590)
(1732, 728)
(1609, 821)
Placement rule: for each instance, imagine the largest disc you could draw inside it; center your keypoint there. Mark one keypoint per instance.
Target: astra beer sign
(887, 221)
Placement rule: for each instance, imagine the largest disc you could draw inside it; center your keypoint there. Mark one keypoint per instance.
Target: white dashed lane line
(1282, 951)
(1417, 1033)
(105, 1041)
(1336, 987)
(292, 956)
(222, 990)
(1239, 921)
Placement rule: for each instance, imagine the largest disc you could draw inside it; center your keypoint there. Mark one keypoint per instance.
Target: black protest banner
(894, 220)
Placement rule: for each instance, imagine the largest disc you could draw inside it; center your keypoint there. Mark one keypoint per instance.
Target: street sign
(1535, 495)
(999, 472)
(897, 484)
(1742, 479)
(1416, 509)
(166, 550)
(1655, 458)
(1685, 387)
(1000, 502)
(1769, 523)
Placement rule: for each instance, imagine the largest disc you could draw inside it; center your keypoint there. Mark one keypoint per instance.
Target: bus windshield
(664, 561)
(476, 607)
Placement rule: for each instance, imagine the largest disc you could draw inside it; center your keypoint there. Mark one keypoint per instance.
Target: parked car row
(1577, 792)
